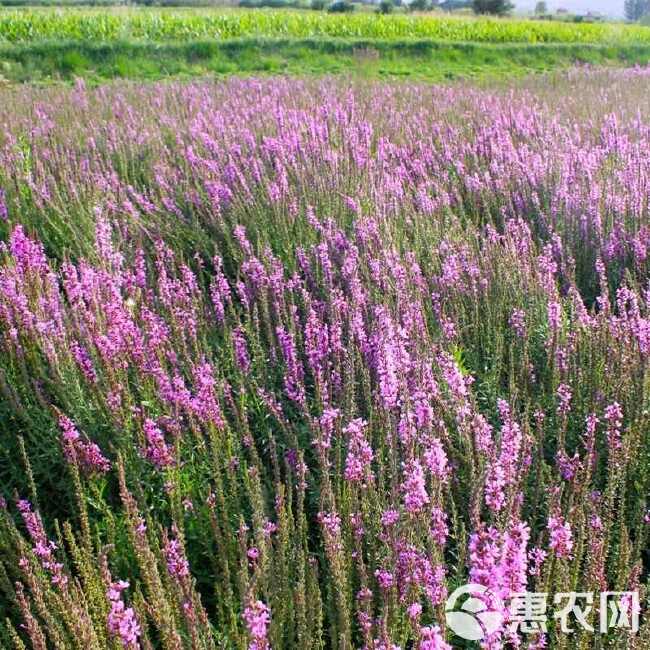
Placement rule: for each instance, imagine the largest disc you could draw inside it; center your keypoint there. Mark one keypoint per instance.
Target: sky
(613, 8)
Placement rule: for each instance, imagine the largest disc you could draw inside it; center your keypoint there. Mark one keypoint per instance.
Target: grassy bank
(419, 59)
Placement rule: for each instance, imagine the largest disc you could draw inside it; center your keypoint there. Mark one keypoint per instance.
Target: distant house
(562, 11)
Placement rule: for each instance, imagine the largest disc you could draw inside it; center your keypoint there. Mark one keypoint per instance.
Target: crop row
(161, 25)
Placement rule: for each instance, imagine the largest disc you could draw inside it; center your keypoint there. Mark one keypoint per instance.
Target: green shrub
(419, 5)
(341, 7)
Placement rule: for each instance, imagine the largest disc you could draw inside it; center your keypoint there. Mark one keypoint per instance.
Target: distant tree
(455, 5)
(636, 9)
(419, 5)
(541, 8)
(495, 7)
(341, 7)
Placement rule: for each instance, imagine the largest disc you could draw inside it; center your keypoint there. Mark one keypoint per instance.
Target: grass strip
(424, 59)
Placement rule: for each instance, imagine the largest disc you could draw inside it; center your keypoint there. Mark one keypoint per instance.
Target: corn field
(24, 26)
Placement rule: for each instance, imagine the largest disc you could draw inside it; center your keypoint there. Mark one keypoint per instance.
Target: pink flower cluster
(157, 450)
(122, 622)
(177, 565)
(360, 454)
(414, 487)
(84, 453)
(257, 618)
(561, 538)
(43, 548)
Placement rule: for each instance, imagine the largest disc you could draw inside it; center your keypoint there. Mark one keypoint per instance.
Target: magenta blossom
(561, 538)
(84, 453)
(257, 618)
(122, 622)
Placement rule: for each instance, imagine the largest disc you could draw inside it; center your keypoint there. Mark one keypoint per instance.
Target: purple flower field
(285, 363)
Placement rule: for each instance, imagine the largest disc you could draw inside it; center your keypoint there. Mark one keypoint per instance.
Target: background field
(50, 44)
(188, 24)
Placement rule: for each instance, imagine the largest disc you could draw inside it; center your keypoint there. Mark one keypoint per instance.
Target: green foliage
(419, 5)
(494, 7)
(341, 7)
